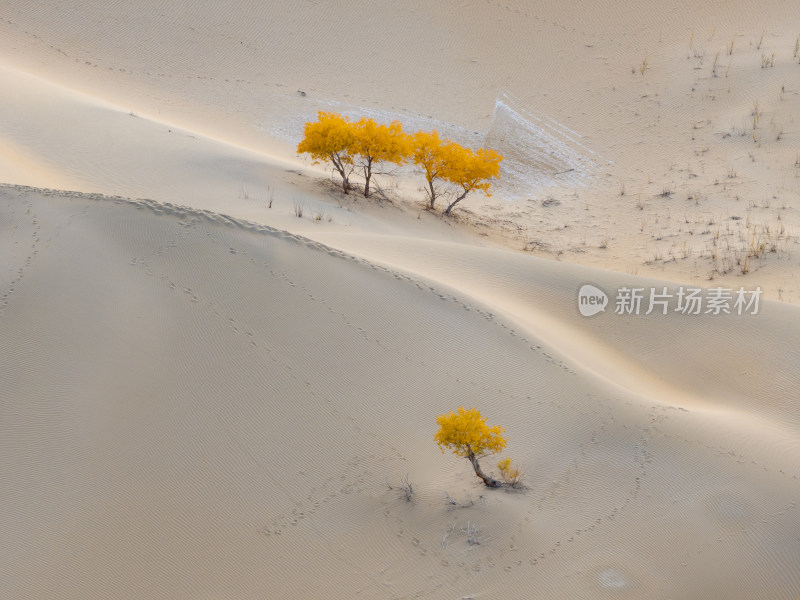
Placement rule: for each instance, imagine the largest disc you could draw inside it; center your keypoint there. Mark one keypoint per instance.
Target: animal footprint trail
(32, 243)
(238, 327)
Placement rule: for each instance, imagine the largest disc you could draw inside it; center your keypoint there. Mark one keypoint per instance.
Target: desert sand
(205, 394)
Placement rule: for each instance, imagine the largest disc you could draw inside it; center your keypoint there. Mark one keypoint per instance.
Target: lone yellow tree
(470, 170)
(374, 143)
(331, 138)
(466, 434)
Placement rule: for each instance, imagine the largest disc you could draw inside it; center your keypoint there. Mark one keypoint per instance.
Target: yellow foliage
(470, 170)
(430, 153)
(330, 138)
(427, 153)
(378, 143)
(348, 145)
(446, 160)
(467, 434)
(330, 134)
(504, 465)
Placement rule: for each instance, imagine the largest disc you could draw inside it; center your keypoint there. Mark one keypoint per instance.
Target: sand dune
(206, 394)
(197, 406)
(683, 358)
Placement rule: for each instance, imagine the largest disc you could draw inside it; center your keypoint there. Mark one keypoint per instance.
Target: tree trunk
(367, 176)
(486, 479)
(432, 193)
(338, 164)
(454, 202)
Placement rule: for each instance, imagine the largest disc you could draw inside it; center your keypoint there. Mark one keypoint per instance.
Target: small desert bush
(405, 488)
(510, 474)
(299, 205)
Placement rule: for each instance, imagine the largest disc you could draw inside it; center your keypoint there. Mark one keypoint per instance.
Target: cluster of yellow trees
(451, 170)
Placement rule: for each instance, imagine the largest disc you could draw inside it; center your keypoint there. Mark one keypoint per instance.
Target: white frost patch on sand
(539, 152)
(611, 578)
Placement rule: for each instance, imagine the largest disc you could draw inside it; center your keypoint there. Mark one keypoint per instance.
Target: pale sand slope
(586, 99)
(60, 138)
(195, 407)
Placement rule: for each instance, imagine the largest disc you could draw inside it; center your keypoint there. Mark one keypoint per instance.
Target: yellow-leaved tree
(469, 170)
(466, 433)
(374, 143)
(331, 138)
(430, 153)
